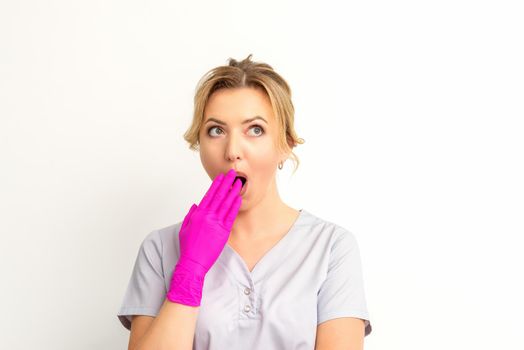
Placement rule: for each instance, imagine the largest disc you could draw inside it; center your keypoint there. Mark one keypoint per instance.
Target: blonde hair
(247, 73)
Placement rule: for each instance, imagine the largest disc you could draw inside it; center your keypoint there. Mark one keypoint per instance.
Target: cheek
(264, 154)
(209, 158)
(264, 163)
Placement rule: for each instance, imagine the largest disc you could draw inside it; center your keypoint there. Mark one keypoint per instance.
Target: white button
(247, 308)
(247, 291)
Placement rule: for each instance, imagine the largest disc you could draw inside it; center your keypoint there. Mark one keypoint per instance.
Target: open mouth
(244, 183)
(243, 179)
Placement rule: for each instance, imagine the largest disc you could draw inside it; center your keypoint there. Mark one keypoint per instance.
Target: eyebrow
(244, 122)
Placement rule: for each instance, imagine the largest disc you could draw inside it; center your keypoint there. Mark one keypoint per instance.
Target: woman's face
(246, 146)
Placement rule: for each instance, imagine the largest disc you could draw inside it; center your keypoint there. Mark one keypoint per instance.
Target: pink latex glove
(203, 235)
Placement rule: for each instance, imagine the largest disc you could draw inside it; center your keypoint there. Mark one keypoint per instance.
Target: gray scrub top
(313, 274)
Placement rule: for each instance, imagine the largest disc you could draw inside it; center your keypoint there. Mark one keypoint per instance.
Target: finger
(233, 212)
(187, 218)
(222, 190)
(208, 197)
(224, 208)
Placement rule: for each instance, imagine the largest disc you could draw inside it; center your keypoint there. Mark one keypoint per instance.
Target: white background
(412, 112)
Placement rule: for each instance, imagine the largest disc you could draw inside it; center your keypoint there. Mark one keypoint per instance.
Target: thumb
(187, 218)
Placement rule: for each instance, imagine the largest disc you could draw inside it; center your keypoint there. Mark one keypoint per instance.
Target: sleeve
(146, 288)
(342, 292)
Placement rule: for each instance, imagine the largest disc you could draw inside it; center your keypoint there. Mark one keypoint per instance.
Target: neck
(260, 219)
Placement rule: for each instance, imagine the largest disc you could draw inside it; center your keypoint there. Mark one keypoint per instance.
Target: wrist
(187, 284)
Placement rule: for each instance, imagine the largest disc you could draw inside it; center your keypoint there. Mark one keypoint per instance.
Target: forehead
(239, 103)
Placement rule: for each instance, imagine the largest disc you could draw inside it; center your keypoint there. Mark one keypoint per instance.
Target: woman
(244, 270)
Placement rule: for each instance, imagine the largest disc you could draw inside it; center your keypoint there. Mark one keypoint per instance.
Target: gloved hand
(203, 235)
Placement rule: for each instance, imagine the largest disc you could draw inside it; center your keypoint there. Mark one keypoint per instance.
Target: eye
(256, 126)
(211, 128)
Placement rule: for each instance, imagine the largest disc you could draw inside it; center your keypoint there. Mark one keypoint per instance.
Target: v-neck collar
(236, 264)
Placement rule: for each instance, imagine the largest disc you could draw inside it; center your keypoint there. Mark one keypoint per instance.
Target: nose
(233, 149)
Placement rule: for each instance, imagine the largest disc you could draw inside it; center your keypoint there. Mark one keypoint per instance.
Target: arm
(340, 333)
(172, 329)
(202, 237)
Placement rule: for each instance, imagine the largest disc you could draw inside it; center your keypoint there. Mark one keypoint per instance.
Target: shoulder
(164, 243)
(169, 233)
(334, 233)
(157, 241)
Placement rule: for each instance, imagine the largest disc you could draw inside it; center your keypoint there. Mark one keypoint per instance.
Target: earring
(280, 165)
